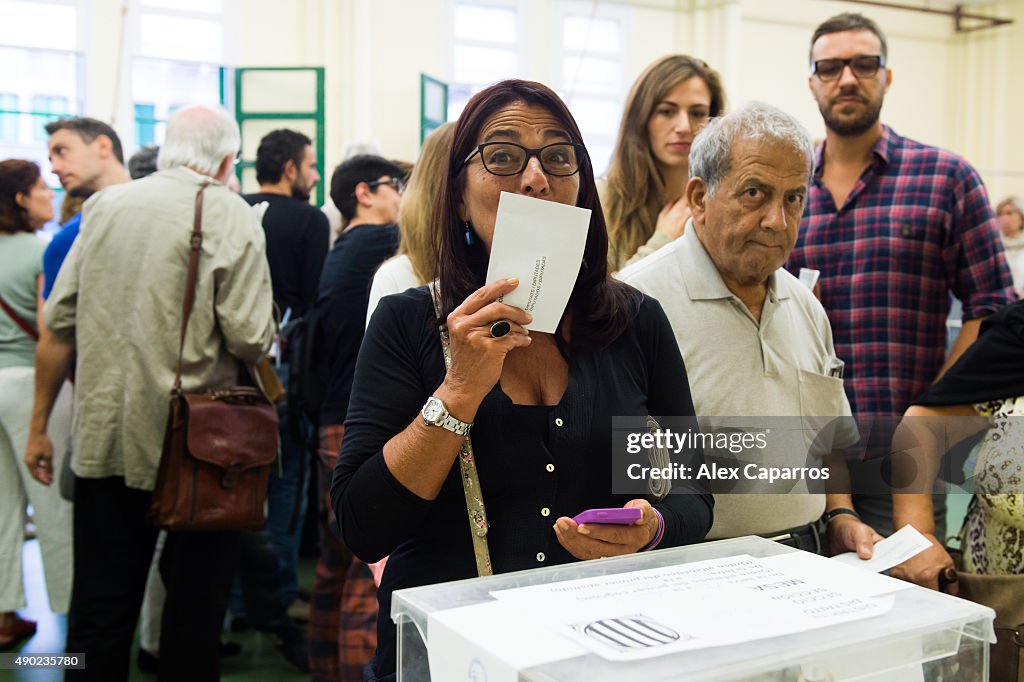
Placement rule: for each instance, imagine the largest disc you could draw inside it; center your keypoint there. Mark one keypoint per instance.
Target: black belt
(807, 538)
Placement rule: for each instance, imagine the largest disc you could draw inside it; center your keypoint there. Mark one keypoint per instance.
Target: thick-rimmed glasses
(560, 159)
(397, 183)
(863, 66)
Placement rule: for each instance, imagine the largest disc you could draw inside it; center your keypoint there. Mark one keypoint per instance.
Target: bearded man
(894, 227)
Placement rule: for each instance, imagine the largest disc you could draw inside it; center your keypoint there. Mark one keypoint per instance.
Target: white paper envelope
(540, 242)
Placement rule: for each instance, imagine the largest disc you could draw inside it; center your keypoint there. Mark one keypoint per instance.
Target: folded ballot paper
(541, 243)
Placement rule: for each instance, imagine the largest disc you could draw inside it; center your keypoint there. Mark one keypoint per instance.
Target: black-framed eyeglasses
(397, 183)
(863, 66)
(560, 159)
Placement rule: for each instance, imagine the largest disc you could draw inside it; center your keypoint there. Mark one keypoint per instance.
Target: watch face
(433, 411)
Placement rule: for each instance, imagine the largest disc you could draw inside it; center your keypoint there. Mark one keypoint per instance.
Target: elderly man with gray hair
(118, 301)
(755, 340)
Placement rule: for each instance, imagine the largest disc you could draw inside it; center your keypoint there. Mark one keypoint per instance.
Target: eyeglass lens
(863, 66)
(507, 158)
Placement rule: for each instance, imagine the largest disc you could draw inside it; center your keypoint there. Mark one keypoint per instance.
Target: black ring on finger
(500, 328)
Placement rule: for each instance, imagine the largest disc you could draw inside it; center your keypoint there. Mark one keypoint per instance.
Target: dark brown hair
(848, 21)
(88, 129)
(601, 307)
(16, 176)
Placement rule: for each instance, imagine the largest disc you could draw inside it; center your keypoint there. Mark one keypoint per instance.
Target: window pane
(36, 24)
(591, 74)
(26, 71)
(458, 97)
(584, 34)
(160, 86)
(484, 64)
(145, 124)
(35, 79)
(485, 23)
(47, 108)
(8, 120)
(203, 6)
(171, 37)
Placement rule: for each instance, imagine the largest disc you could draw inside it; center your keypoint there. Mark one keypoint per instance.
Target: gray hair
(199, 137)
(711, 153)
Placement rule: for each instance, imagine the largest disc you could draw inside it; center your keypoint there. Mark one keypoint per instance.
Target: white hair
(360, 147)
(711, 154)
(199, 137)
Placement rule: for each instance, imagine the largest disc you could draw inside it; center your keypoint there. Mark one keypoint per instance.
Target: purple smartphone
(619, 516)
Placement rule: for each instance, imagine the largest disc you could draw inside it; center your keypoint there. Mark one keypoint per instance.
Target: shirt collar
(700, 276)
(194, 175)
(884, 149)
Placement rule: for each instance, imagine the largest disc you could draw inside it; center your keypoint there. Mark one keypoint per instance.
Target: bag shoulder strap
(467, 466)
(19, 320)
(190, 279)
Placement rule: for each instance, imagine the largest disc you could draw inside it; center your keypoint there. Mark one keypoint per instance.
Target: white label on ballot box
(648, 613)
(540, 242)
(490, 642)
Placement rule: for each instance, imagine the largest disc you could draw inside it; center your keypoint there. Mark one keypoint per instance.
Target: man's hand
(39, 457)
(925, 568)
(847, 533)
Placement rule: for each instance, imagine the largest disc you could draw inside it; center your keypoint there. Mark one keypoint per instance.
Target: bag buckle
(1018, 635)
(231, 475)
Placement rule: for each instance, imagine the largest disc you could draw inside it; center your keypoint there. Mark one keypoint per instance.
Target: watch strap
(452, 424)
(830, 515)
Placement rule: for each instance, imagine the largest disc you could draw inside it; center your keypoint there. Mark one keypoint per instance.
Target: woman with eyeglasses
(643, 190)
(540, 405)
(26, 204)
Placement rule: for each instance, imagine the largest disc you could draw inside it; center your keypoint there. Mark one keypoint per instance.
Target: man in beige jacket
(118, 301)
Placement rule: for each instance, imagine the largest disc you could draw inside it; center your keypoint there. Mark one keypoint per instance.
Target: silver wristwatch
(436, 414)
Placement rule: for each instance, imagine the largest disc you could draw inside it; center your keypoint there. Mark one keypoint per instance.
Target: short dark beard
(299, 193)
(81, 192)
(857, 126)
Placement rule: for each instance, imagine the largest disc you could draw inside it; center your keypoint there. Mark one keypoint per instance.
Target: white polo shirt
(738, 367)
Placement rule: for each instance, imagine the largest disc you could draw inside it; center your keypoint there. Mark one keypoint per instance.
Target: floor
(258, 662)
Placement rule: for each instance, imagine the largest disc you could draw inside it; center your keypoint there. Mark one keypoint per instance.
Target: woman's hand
(600, 540)
(39, 457)
(672, 219)
(477, 357)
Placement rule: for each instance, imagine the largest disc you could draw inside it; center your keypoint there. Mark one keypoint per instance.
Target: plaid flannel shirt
(917, 227)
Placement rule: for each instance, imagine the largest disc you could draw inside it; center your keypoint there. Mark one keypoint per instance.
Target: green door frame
(317, 115)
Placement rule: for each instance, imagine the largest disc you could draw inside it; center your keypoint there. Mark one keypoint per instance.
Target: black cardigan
(400, 364)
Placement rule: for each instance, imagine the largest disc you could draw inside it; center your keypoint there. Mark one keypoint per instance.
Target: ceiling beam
(959, 16)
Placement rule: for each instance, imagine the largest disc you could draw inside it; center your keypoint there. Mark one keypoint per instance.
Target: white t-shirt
(393, 277)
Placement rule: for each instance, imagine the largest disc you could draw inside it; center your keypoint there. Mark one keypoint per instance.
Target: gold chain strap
(467, 466)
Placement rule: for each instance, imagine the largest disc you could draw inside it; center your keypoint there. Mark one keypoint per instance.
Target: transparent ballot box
(541, 625)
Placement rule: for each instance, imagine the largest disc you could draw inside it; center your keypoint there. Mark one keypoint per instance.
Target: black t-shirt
(345, 291)
(297, 236)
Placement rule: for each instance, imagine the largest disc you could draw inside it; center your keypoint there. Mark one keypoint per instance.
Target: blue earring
(470, 237)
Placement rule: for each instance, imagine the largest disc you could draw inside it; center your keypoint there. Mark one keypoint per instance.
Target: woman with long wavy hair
(643, 190)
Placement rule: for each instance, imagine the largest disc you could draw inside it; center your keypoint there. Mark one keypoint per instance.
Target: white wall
(958, 91)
